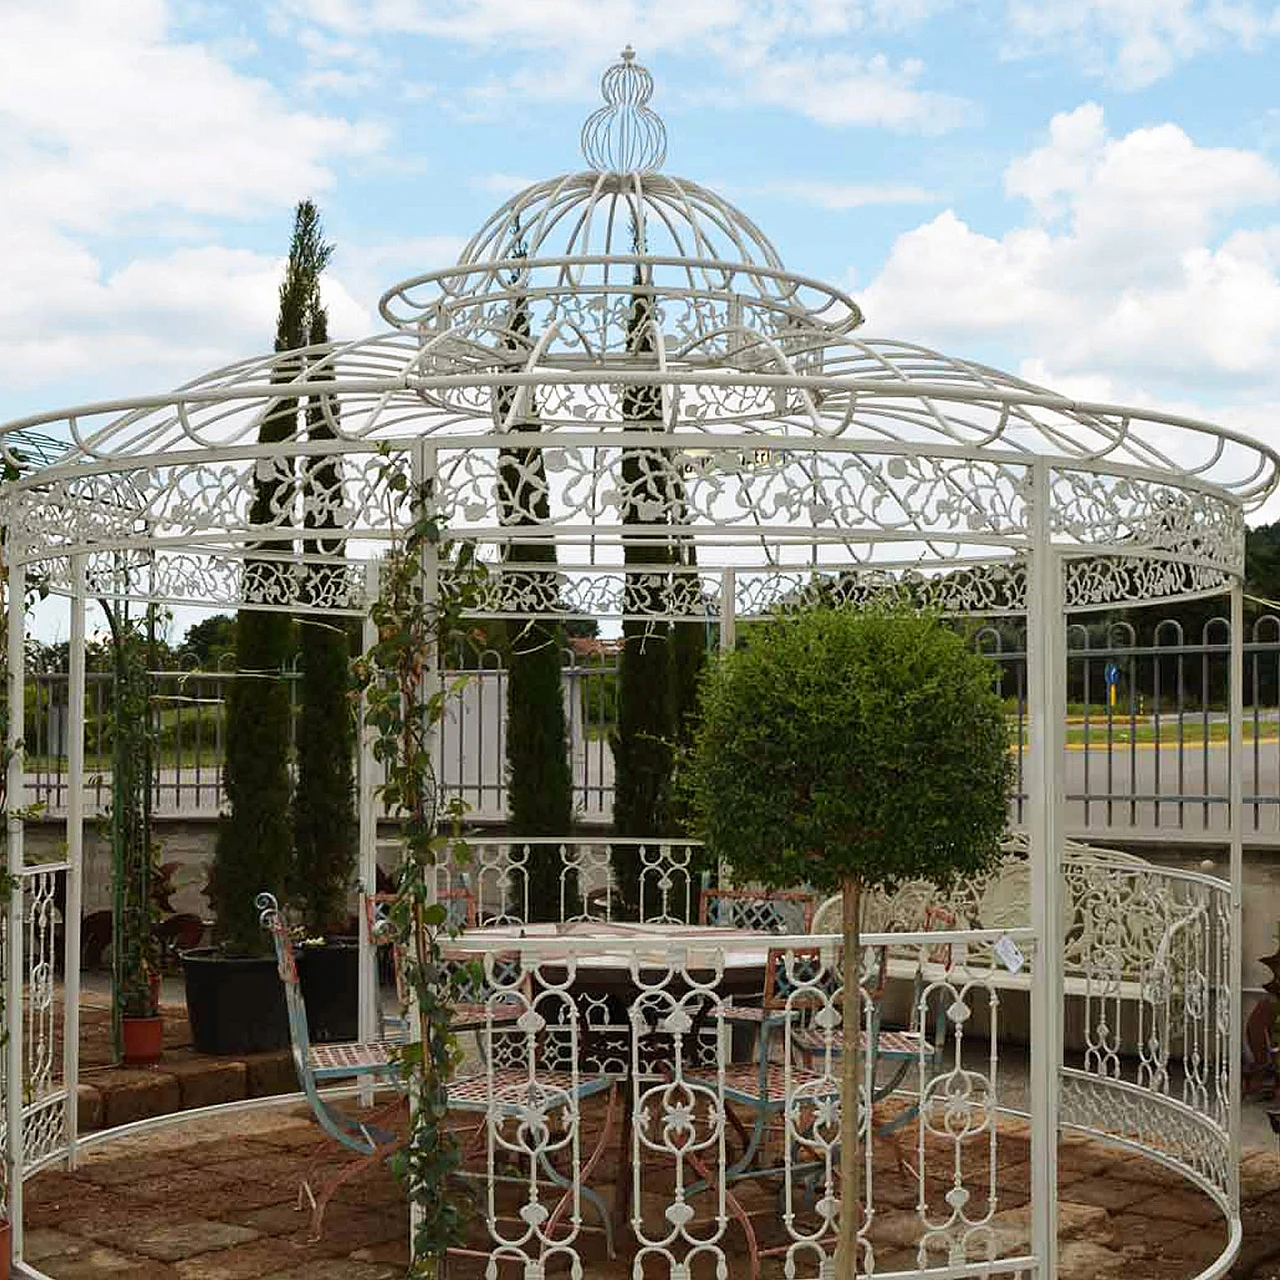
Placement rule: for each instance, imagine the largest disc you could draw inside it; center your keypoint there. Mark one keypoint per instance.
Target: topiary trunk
(851, 1066)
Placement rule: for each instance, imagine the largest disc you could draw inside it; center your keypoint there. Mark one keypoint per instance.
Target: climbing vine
(134, 853)
(427, 583)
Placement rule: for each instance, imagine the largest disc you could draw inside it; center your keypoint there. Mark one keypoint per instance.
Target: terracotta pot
(143, 1042)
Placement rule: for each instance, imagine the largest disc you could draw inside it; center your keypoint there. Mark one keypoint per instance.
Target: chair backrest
(463, 912)
(272, 919)
(817, 972)
(939, 918)
(767, 910)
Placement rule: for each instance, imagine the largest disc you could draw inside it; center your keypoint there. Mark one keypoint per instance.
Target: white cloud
(848, 89)
(158, 320)
(105, 114)
(1125, 266)
(370, 270)
(569, 25)
(502, 184)
(115, 132)
(1133, 43)
(771, 52)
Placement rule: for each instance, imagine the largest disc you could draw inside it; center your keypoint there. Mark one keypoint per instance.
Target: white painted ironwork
(625, 135)
(800, 462)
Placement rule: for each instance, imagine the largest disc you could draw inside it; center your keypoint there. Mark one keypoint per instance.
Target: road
(1120, 784)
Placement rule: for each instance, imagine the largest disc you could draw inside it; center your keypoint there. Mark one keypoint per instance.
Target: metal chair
(767, 910)
(768, 1089)
(519, 1091)
(471, 1015)
(802, 1000)
(328, 1064)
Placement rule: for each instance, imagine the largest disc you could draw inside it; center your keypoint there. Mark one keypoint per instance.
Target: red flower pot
(143, 1039)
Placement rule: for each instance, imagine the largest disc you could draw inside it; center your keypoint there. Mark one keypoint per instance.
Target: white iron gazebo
(633, 344)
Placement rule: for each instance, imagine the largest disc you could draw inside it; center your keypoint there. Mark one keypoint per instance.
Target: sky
(1083, 192)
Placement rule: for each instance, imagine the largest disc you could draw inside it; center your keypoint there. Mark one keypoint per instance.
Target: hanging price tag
(1010, 956)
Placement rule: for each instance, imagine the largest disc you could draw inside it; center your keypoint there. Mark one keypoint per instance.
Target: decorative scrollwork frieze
(1149, 515)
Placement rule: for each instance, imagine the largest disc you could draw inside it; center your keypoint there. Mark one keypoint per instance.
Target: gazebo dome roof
(615, 224)
(616, 311)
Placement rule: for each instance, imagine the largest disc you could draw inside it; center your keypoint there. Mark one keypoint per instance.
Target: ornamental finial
(625, 135)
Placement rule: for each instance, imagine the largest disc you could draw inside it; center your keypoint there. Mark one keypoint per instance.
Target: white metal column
(423, 466)
(1234, 971)
(1046, 711)
(728, 615)
(75, 857)
(15, 783)
(367, 819)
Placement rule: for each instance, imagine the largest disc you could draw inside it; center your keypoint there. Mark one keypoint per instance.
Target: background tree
(254, 847)
(211, 639)
(539, 782)
(688, 648)
(851, 750)
(325, 832)
(1262, 560)
(642, 742)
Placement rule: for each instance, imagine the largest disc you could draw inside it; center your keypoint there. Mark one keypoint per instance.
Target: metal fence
(1146, 749)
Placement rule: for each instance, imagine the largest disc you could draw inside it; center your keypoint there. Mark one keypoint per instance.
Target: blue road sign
(1112, 673)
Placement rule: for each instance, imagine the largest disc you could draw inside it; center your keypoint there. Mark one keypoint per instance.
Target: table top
(592, 944)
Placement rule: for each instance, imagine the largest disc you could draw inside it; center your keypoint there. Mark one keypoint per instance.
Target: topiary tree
(851, 750)
(135, 954)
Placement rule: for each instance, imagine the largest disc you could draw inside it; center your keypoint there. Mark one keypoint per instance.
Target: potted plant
(325, 831)
(851, 750)
(234, 999)
(235, 1003)
(135, 859)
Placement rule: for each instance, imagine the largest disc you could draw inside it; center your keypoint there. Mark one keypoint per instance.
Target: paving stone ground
(216, 1199)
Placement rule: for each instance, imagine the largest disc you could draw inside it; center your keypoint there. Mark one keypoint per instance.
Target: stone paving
(216, 1199)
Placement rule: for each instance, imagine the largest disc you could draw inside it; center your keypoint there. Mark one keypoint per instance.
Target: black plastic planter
(330, 978)
(234, 1005)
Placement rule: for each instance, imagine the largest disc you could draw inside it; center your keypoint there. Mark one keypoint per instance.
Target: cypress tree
(254, 848)
(642, 742)
(688, 638)
(324, 817)
(539, 782)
